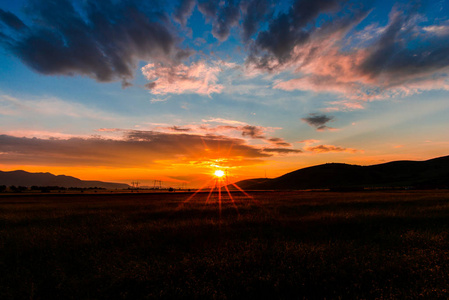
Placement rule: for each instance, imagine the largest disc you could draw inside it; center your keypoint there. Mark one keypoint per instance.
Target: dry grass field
(278, 245)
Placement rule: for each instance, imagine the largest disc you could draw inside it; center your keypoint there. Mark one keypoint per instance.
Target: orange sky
(177, 91)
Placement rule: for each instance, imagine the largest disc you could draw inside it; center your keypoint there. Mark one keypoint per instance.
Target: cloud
(235, 130)
(184, 11)
(282, 150)
(318, 121)
(279, 142)
(275, 46)
(11, 20)
(308, 142)
(178, 129)
(392, 62)
(136, 149)
(199, 78)
(330, 148)
(110, 130)
(345, 105)
(103, 40)
(48, 107)
(359, 65)
(223, 15)
(439, 30)
(223, 121)
(254, 132)
(255, 12)
(248, 132)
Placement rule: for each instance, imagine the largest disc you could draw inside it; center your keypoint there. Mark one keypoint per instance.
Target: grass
(283, 245)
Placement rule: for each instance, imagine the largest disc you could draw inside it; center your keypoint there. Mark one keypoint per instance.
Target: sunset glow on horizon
(219, 173)
(181, 91)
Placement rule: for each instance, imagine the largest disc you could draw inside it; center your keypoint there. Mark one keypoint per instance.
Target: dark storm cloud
(255, 12)
(392, 55)
(224, 16)
(208, 8)
(290, 29)
(402, 58)
(100, 39)
(11, 20)
(318, 121)
(227, 17)
(184, 11)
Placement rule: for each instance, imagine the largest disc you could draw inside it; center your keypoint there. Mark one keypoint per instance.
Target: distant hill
(22, 178)
(433, 173)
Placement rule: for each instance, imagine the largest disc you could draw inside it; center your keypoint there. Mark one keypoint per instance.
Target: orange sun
(219, 173)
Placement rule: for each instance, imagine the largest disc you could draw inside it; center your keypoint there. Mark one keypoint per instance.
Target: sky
(172, 90)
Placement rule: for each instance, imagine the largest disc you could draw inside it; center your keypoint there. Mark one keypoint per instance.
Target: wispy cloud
(282, 151)
(330, 148)
(198, 78)
(279, 142)
(48, 106)
(223, 121)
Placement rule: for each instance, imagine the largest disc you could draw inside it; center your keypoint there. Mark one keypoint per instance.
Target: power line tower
(135, 184)
(157, 184)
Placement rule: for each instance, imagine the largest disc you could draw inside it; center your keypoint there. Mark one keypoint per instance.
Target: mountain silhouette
(23, 178)
(433, 173)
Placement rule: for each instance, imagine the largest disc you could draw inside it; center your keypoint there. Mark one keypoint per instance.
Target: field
(275, 245)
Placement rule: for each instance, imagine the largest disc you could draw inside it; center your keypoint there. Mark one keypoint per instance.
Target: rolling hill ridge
(23, 178)
(433, 173)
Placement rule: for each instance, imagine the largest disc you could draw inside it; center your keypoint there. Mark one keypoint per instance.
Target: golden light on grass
(217, 189)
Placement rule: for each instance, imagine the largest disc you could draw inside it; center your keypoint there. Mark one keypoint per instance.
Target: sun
(219, 173)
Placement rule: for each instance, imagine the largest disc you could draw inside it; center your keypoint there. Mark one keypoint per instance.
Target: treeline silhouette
(43, 189)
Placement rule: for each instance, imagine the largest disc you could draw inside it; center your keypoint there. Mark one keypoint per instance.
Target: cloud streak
(137, 149)
(48, 107)
(282, 151)
(330, 148)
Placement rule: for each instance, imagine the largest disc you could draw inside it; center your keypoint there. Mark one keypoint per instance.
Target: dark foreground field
(290, 245)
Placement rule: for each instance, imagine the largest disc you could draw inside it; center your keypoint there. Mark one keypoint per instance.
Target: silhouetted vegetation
(17, 189)
(281, 245)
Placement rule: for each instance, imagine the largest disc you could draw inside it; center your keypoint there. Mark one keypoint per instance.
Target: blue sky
(176, 89)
